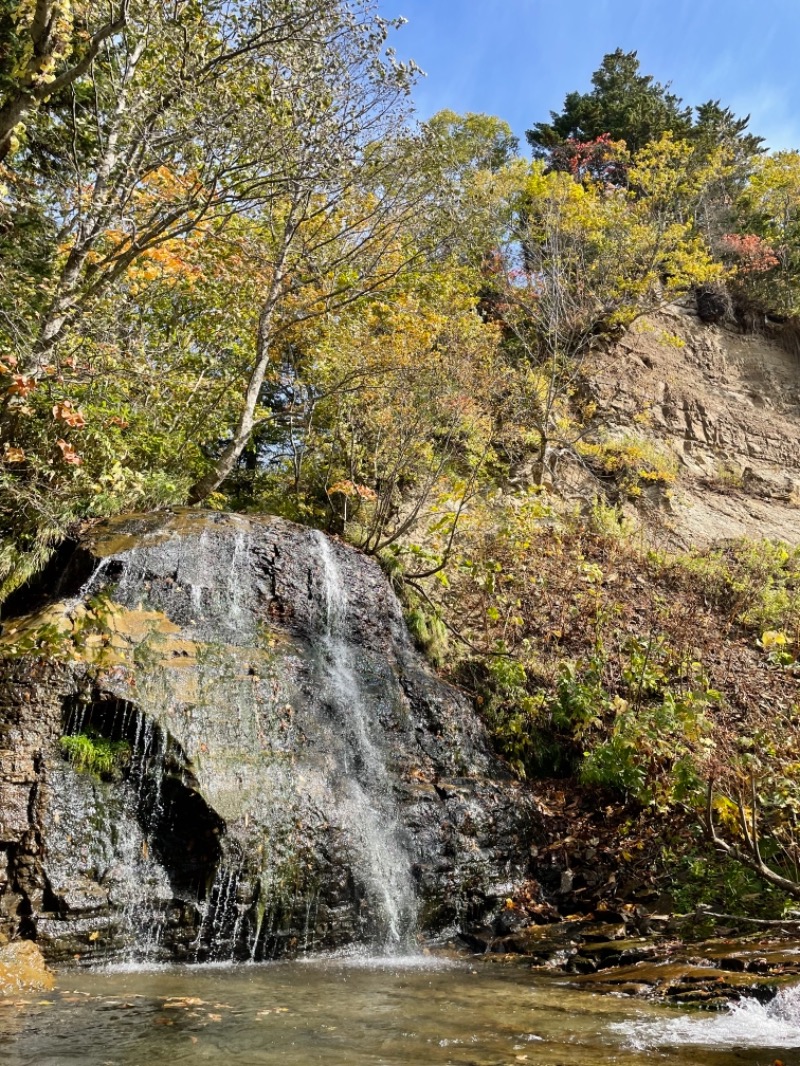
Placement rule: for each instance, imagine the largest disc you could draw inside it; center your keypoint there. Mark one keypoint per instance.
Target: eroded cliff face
(727, 403)
(290, 776)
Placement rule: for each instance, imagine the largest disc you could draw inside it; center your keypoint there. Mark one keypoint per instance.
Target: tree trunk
(225, 464)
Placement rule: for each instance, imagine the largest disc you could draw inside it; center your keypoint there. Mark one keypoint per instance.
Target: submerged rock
(260, 760)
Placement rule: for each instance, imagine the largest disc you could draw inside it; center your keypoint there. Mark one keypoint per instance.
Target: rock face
(727, 403)
(259, 761)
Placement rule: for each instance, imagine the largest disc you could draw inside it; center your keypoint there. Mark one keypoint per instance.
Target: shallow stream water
(362, 1011)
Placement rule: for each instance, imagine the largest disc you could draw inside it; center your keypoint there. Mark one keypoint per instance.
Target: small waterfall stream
(366, 805)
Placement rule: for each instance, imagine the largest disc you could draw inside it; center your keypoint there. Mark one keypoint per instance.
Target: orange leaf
(13, 455)
(68, 453)
(350, 488)
(21, 386)
(65, 412)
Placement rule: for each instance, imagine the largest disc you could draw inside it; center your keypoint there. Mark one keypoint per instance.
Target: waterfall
(255, 756)
(746, 1024)
(115, 822)
(366, 805)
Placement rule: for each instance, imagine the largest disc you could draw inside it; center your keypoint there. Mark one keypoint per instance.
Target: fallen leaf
(183, 1001)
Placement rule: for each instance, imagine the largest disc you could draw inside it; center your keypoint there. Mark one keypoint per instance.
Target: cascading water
(366, 806)
(118, 819)
(138, 832)
(357, 774)
(747, 1024)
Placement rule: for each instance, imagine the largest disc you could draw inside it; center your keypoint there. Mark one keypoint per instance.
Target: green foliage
(515, 716)
(473, 141)
(698, 876)
(633, 463)
(756, 582)
(647, 739)
(633, 107)
(429, 632)
(623, 102)
(655, 751)
(92, 753)
(765, 250)
(608, 522)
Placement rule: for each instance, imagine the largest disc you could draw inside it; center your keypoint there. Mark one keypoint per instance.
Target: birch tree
(172, 129)
(50, 44)
(345, 193)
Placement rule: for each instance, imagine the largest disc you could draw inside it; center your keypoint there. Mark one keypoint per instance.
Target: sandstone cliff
(728, 404)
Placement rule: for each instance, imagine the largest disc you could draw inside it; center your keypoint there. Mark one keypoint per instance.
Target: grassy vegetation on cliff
(92, 753)
(668, 683)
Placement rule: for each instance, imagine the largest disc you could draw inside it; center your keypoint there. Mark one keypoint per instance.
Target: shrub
(632, 463)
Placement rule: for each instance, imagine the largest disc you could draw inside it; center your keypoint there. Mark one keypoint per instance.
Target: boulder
(23, 969)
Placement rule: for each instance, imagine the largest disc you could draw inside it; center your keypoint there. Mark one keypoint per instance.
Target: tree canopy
(628, 105)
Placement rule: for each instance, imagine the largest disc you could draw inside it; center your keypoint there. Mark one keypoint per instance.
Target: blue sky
(518, 58)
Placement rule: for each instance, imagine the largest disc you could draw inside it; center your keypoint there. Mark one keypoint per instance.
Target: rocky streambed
(653, 957)
(361, 1010)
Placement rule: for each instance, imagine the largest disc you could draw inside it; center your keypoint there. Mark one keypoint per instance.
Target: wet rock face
(282, 771)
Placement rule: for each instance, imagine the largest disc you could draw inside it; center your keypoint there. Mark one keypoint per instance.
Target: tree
(397, 420)
(288, 115)
(345, 189)
(181, 127)
(472, 142)
(624, 103)
(586, 260)
(49, 45)
(764, 247)
(716, 127)
(757, 834)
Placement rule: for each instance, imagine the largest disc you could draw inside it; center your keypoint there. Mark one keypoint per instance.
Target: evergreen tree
(627, 105)
(624, 103)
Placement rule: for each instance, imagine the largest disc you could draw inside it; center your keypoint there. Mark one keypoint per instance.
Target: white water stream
(747, 1024)
(366, 806)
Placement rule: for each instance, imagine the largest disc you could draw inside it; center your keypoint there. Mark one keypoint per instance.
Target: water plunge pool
(365, 1011)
